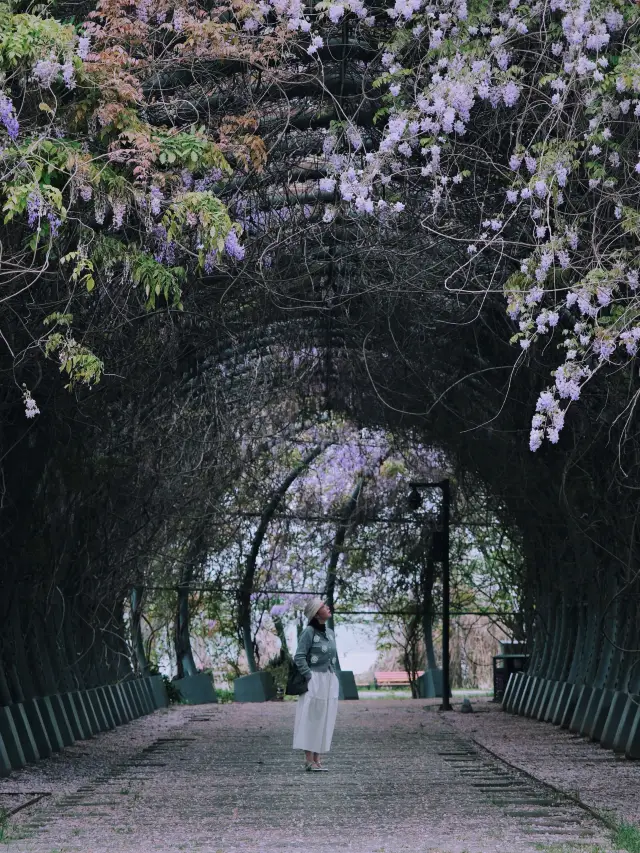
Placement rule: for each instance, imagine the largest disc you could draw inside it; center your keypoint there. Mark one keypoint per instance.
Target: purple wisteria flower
(534, 296)
(210, 261)
(46, 71)
(30, 406)
(155, 201)
(119, 208)
(35, 208)
(572, 239)
(68, 75)
(568, 378)
(436, 39)
(546, 403)
(604, 295)
(503, 59)
(143, 10)
(165, 252)
(83, 47)
(535, 439)
(604, 347)
(354, 137)
(316, 43)
(232, 246)
(179, 20)
(540, 188)
(613, 19)
(202, 184)
(54, 223)
(631, 339)
(510, 94)
(8, 116)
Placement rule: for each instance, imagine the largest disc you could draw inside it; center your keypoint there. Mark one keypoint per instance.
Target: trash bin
(503, 667)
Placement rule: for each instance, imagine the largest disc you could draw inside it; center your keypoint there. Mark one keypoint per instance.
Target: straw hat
(311, 607)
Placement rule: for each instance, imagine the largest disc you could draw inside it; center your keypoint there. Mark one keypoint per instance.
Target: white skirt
(316, 713)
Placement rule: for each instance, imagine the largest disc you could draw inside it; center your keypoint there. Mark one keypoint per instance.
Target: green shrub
(278, 666)
(224, 695)
(173, 693)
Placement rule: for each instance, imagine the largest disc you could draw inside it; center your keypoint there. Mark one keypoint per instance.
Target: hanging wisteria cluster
(523, 115)
(564, 80)
(105, 194)
(365, 462)
(557, 202)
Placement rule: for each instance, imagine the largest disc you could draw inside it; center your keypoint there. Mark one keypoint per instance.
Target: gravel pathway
(567, 761)
(223, 779)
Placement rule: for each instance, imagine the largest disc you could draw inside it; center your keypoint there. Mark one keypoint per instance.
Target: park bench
(391, 679)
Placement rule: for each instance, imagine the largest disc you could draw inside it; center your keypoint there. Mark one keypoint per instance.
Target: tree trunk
(285, 653)
(336, 550)
(5, 693)
(185, 662)
(246, 586)
(43, 649)
(54, 631)
(139, 655)
(184, 653)
(20, 672)
(427, 581)
(70, 644)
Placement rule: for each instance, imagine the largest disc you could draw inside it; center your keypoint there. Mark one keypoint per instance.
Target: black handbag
(296, 682)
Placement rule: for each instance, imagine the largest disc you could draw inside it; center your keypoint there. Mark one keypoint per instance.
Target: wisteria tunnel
(151, 393)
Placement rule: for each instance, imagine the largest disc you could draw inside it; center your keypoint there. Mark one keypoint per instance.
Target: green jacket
(315, 652)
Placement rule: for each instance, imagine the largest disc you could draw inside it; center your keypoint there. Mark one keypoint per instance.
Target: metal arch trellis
(476, 408)
(232, 590)
(330, 519)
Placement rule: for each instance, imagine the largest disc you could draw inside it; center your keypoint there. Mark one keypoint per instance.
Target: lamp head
(415, 499)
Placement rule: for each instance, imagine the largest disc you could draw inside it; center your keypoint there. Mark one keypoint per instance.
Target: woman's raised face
(324, 613)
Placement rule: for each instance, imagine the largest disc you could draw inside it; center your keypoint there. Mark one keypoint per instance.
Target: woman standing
(316, 658)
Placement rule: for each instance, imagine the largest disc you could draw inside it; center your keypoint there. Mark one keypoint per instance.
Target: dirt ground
(403, 778)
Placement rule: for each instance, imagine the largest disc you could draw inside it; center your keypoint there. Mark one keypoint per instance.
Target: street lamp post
(415, 501)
